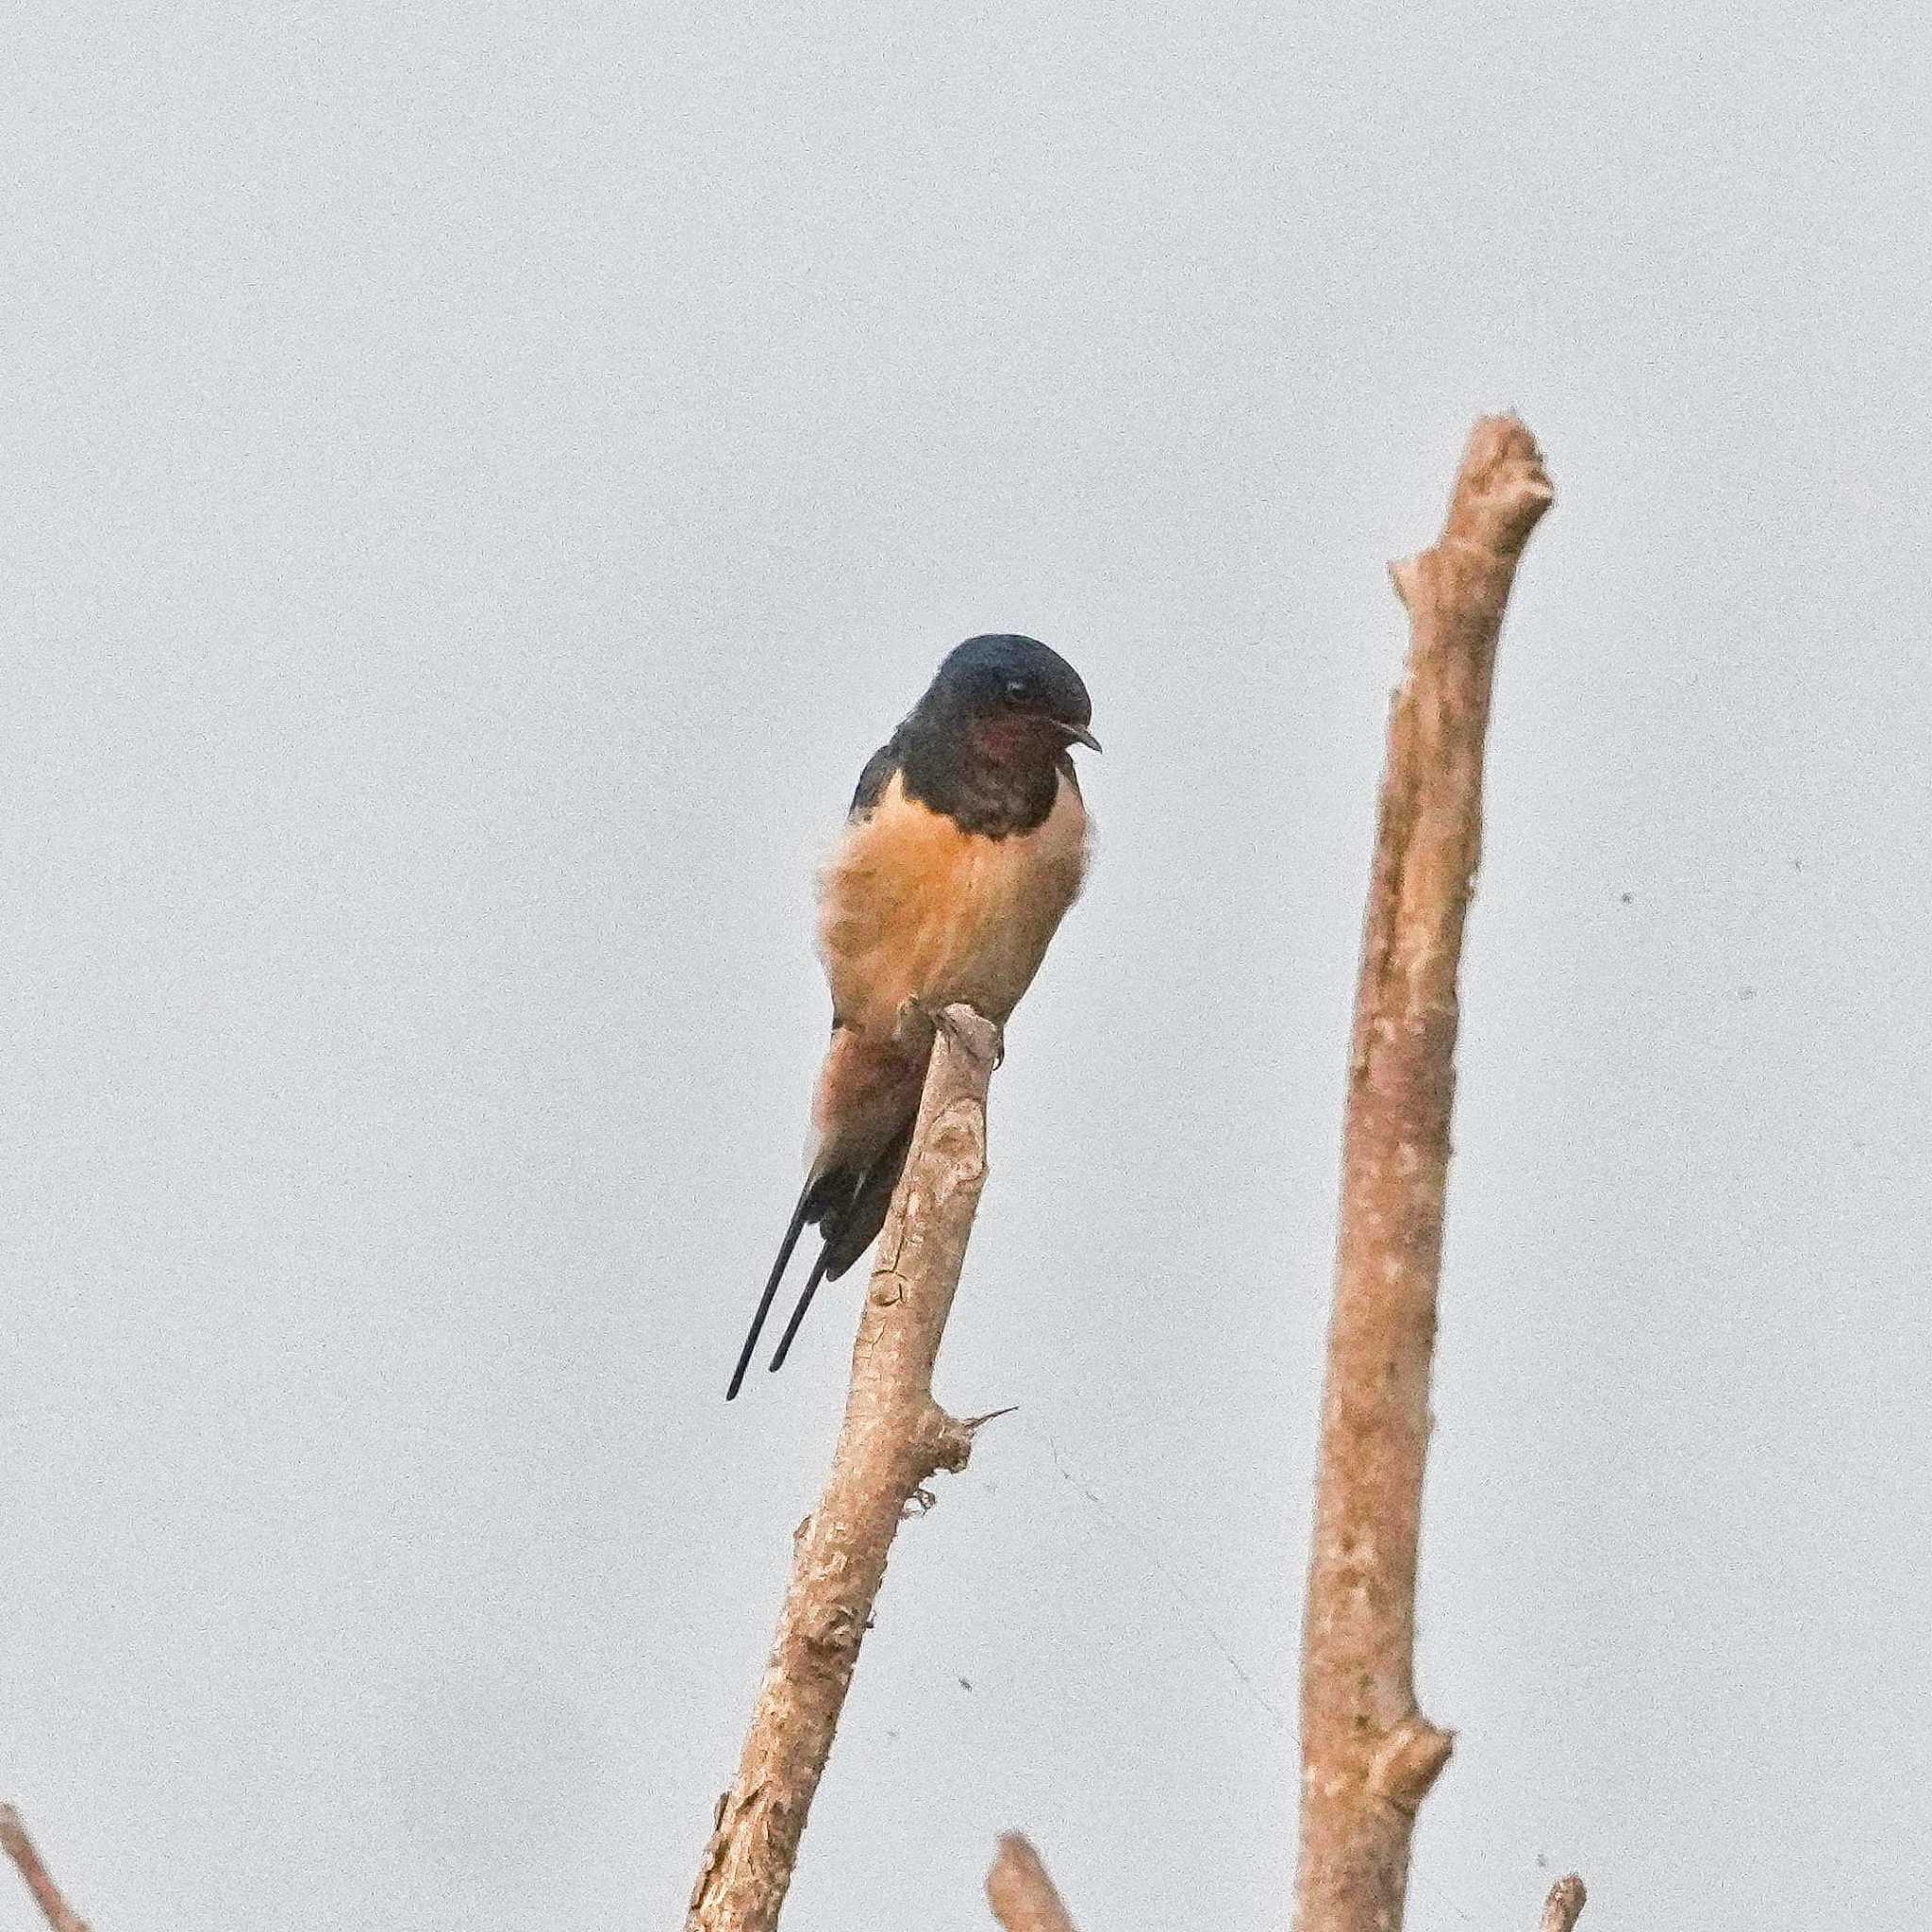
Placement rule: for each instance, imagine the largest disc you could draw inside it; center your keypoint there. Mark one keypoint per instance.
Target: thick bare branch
(894, 1437)
(1564, 1906)
(20, 1848)
(1022, 1895)
(1369, 1756)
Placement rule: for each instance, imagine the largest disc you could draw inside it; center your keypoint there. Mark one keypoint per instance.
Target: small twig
(894, 1437)
(1369, 1756)
(20, 1848)
(1022, 1895)
(1564, 1905)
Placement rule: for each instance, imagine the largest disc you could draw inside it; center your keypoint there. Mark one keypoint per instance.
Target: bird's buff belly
(915, 908)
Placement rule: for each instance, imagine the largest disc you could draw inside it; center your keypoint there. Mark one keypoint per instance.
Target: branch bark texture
(1369, 1756)
(20, 1848)
(894, 1437)
(1022, 1897)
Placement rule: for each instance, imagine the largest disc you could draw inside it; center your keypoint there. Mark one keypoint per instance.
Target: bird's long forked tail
(765, 1300)
(850, 1205)
(812, 1287)
(850, 1228)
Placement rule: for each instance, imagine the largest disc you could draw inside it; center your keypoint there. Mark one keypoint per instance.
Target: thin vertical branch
(1022, 1897)
(1369, 1756)
(20, 1848)
(894, 1437)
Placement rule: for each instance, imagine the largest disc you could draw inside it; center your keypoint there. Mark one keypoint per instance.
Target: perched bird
(965, 844)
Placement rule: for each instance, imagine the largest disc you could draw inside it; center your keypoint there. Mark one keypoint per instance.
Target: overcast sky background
(479, 480)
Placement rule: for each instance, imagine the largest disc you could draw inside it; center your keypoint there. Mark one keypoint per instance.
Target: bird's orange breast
(915, 907)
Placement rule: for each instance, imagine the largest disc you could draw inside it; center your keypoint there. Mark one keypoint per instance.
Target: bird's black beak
(1079, 734)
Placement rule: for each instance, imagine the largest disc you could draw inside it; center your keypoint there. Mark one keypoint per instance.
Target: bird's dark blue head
(987, 742)
(1012, 691)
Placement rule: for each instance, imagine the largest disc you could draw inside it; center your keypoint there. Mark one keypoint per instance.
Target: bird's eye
(1016, 690)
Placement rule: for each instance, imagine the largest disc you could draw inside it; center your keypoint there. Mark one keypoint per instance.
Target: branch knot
(945, 1442)
(1408, 1763)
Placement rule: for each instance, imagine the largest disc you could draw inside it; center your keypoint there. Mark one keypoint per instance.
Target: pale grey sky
(479, 480)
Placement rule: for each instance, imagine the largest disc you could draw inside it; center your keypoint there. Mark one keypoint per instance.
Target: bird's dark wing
(874, 778)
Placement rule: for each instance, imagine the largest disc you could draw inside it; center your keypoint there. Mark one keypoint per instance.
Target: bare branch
(1369, 1756)
(894, 1437)
(20, 1848)
(1022, 1895)
(1564, 1905)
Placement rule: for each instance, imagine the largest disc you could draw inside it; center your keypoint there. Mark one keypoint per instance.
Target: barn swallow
(965, 844)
